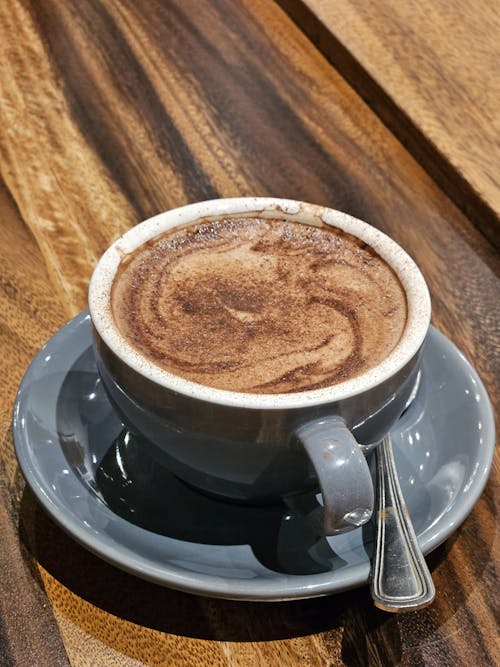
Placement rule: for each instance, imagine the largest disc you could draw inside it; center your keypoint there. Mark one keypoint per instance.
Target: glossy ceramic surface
(103, 488)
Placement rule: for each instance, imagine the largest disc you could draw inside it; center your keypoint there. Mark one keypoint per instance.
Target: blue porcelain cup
(248, 447)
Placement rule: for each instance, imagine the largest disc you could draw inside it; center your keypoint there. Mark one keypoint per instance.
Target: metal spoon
(400, 579)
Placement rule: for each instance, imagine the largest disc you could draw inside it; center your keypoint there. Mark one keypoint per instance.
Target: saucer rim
(305, 586)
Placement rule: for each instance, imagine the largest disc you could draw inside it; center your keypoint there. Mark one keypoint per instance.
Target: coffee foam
(257, 305)
(417, 295)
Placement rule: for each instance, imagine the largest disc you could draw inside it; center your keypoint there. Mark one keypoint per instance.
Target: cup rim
(417, 296)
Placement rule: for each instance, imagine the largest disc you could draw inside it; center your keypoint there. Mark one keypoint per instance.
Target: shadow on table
(365, 631)
(350, 626)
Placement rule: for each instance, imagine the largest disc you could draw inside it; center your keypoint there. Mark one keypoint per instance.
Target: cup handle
(343, 474)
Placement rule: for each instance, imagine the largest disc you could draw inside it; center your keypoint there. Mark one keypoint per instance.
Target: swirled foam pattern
(258, 305)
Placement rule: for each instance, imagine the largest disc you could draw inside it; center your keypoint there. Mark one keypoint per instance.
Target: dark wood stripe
(29, 634)
(249, 108)
(428, 154)
(480, 531)
(88, 104)
(28, 631)
(6, 657)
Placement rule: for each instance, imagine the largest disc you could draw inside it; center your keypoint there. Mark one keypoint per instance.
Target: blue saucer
(102, 487)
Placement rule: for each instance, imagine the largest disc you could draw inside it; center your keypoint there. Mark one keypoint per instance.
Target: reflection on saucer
(143, 492)
(116, 466)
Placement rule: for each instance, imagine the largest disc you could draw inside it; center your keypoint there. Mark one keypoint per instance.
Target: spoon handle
(400, 580)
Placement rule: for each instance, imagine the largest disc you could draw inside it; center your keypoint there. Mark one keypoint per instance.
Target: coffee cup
(255, 444)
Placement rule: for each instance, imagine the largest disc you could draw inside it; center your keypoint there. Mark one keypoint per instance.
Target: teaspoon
(400, 579)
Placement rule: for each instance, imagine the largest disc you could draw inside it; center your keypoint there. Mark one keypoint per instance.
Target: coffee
(259, 305)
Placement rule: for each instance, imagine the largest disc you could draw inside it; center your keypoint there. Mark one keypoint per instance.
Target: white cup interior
(417, 296)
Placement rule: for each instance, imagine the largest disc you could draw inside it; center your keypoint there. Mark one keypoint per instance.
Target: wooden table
(114, 110)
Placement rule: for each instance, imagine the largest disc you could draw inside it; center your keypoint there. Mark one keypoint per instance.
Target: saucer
(100, 485)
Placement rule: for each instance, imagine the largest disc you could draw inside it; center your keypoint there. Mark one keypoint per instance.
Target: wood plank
(117, 110)
(430, 70)
(29, 633)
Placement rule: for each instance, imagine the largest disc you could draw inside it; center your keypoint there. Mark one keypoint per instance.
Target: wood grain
(113, 111)
(430, 70)
(28, 631)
